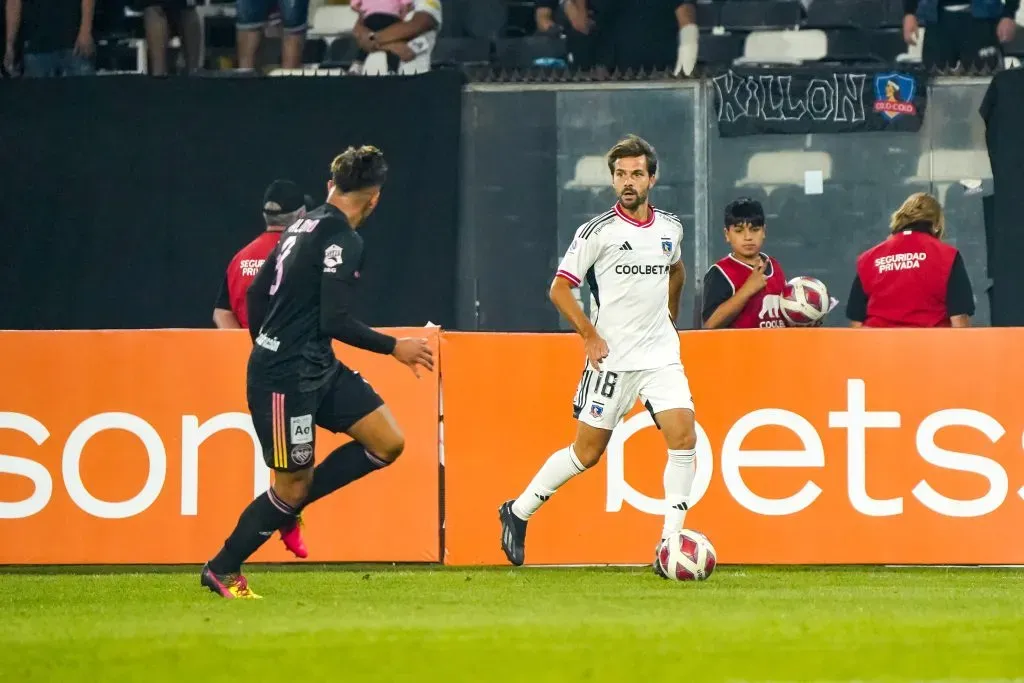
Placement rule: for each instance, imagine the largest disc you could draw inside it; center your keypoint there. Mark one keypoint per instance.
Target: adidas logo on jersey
(625, 247)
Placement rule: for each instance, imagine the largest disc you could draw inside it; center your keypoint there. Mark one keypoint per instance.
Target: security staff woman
(912, 278)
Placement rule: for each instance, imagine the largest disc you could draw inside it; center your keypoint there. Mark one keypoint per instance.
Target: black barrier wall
(123, 198)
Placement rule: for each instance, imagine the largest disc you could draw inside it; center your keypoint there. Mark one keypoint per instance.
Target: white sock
(560, 468)
(679, 472)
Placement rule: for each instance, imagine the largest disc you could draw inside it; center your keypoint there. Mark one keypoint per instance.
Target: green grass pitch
(320, 623)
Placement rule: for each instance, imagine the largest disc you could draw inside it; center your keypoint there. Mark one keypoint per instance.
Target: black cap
(283, 196)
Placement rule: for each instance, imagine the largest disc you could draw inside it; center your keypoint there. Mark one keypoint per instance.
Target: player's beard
(632, 202)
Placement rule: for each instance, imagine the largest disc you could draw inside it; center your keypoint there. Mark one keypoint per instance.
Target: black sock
(342, 467)
(258, 522)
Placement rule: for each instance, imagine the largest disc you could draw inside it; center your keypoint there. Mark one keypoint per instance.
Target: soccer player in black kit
(298, 303)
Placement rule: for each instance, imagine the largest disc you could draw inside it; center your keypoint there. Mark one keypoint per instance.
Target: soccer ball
(687, 555)
(804, 301)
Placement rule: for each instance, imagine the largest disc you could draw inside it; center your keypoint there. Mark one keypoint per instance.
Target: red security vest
(243, 268)
(905, 279)
(737, 272)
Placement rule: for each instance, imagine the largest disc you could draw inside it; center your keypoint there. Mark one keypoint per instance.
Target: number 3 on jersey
(286, 249)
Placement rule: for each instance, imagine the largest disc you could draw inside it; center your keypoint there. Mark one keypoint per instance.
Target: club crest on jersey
(332, 259)
(666, 246)
(596, 410)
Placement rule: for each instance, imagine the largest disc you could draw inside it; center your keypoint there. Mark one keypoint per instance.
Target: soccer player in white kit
(631, 256)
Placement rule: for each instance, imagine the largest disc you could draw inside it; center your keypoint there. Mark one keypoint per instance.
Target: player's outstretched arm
(337, 321)
(562, 297)
(340, 324)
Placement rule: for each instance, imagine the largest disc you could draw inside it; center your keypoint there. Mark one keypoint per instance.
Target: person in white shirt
(412, 40)
(631, 256)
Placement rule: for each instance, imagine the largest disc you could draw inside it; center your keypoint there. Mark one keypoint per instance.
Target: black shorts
(286, 422)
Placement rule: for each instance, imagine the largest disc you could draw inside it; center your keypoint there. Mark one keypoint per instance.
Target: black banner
(123, 198)
(802, 100)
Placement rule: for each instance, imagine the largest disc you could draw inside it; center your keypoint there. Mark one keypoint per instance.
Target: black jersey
(300, 300)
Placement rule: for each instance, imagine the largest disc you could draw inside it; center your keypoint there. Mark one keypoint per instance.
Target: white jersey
(422, 45)
(626, 265)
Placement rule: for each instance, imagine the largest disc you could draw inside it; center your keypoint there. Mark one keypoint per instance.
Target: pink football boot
(291, 536)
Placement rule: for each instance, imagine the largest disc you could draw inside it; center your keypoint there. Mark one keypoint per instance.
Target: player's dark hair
(744, 210)
(633, 146)
(359, 168)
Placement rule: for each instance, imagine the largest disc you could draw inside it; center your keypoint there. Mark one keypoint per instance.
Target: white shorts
(604, 397)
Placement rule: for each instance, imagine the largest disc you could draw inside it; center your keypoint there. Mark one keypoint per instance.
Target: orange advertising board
(137, 447)
(814, 446)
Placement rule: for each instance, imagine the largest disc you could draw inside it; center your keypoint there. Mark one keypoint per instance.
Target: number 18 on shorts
(603, 397)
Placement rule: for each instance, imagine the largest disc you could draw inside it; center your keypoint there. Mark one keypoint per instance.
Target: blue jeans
(59, 63)
(252, 15)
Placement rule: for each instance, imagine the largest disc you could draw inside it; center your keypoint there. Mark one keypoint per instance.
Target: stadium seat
(769, 169)
(591, 173)
(720, 49)
(461, 51)
(313, 51)
(892, 14)
(844, 13)
(520, 19)
(333, 19)
(784, 47)
(963, 211)
(888, 44)
(805, 241)
(524, 52)
(856, 45)
(342, 51)
(709, 14)
(676, 198)
(721, 196)
(952, 165)
(576, 207)
(753, 14)
(1015, 48)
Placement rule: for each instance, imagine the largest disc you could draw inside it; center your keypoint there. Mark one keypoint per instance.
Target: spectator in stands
(553, 17)
(283, 205)
(475, 18)
(912, 279)
(544, 17)
(55, 37)
(640, 34)
(964, 31)
(159, 18)
(377, 15)
(411, 40)
(252, 17)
